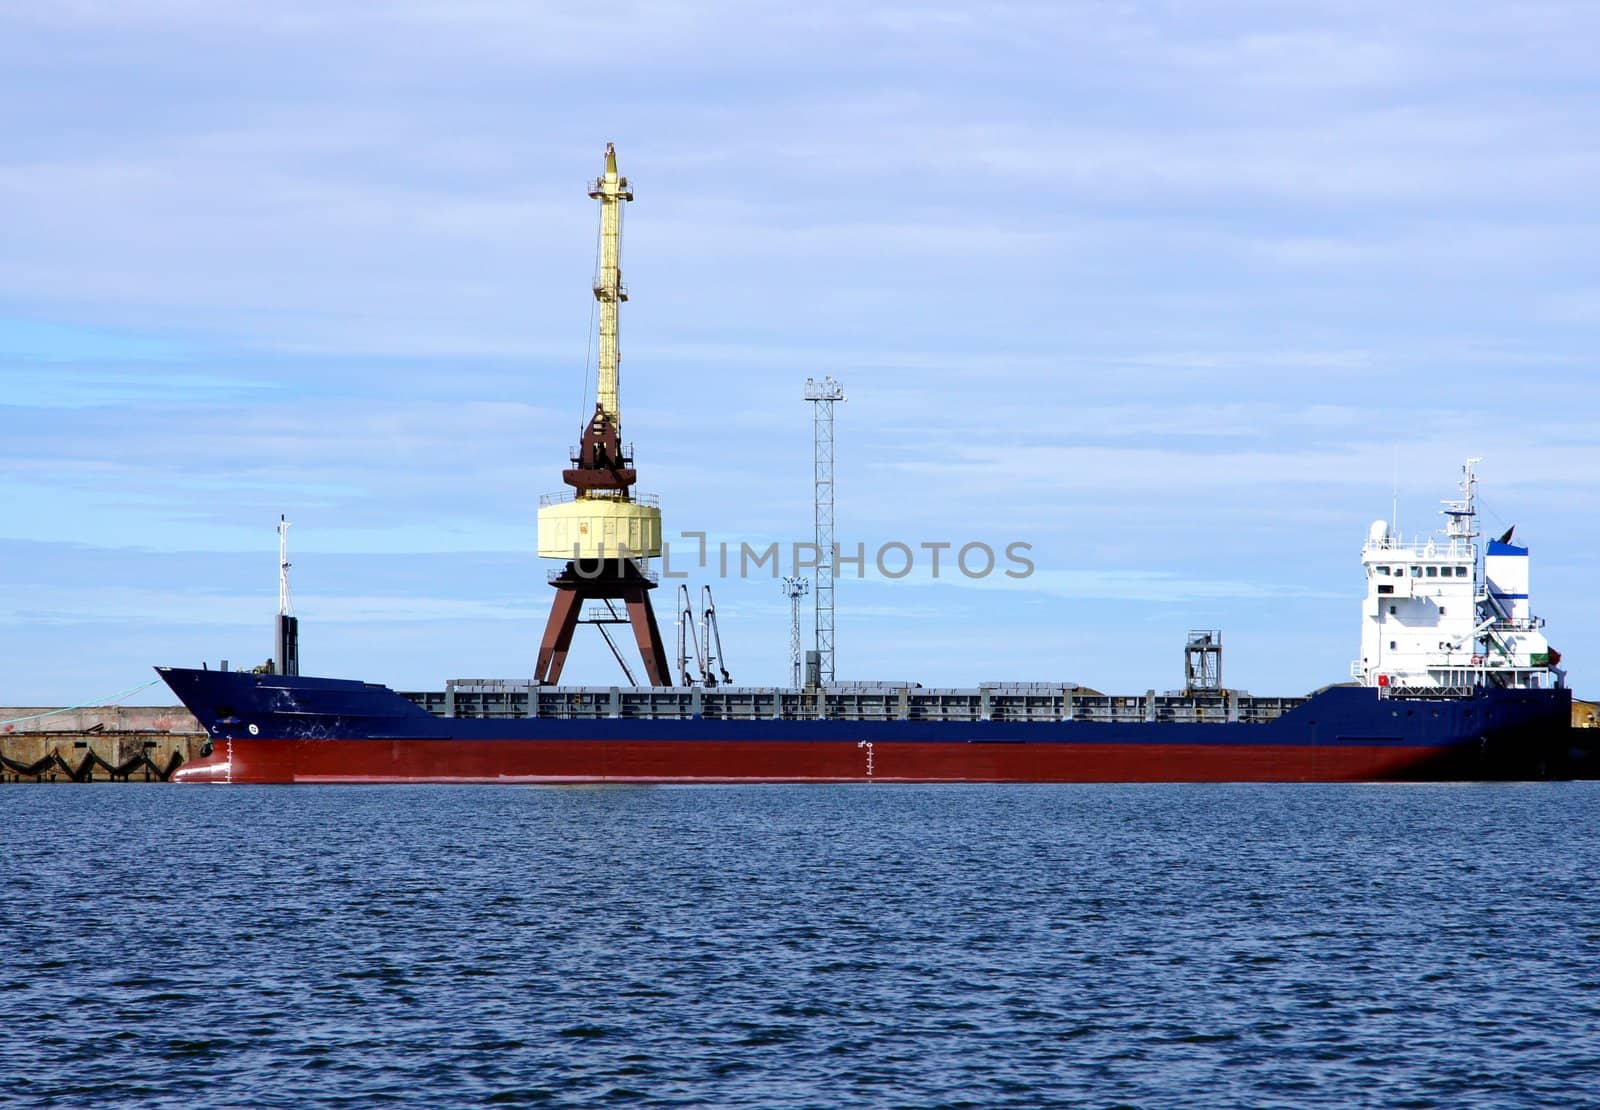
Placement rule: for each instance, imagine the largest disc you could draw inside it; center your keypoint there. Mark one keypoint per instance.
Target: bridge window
(1383, 570)
(1433, 572)
(1416, 572)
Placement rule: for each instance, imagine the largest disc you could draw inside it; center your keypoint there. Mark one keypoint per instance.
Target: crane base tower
(585, 580)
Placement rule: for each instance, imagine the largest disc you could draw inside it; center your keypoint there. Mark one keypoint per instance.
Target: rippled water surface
(809, 946)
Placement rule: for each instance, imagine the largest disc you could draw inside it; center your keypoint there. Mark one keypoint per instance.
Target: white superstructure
(1435, 617)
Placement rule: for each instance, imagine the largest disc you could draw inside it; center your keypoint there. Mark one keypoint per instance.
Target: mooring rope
(86, 705)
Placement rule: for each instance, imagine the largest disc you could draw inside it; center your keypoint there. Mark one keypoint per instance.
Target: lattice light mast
(822, 396)
(604, 531)
(794, 588)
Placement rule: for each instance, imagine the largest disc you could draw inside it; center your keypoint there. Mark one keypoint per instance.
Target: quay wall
(113, 743)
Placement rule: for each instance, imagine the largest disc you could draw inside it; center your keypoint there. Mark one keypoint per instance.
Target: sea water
(974, 946)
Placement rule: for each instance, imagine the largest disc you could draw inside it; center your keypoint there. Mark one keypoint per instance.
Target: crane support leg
(603, 580)
(648, 634)
(558, 630)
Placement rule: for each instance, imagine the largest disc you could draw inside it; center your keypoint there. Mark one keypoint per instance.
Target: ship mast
(286, 629)
(284, 609)
(1464, 509)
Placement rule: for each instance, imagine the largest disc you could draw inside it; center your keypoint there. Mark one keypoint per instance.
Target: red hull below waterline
(724, 761)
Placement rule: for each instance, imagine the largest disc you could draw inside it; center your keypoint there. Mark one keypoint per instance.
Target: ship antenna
(1394, 507)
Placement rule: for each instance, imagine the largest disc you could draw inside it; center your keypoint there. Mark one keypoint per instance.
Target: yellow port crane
(602, 528)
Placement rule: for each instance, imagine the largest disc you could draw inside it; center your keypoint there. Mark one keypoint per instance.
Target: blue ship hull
(273, 728)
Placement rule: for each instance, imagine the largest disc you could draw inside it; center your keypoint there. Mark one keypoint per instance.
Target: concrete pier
(114, 743)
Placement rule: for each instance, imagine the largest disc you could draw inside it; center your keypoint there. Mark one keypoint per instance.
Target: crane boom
(610, 190)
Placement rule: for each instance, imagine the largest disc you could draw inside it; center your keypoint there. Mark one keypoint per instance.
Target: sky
(1181, 295)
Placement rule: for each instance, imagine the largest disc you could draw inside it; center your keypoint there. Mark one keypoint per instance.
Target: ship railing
(1452, 690)
(650, 500)
(1264, 709)
(1452, 662)
(1516, 624)
(482, 685)
(1422, 549)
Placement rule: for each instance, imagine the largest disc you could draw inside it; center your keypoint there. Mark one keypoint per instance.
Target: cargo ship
(1455, 679)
